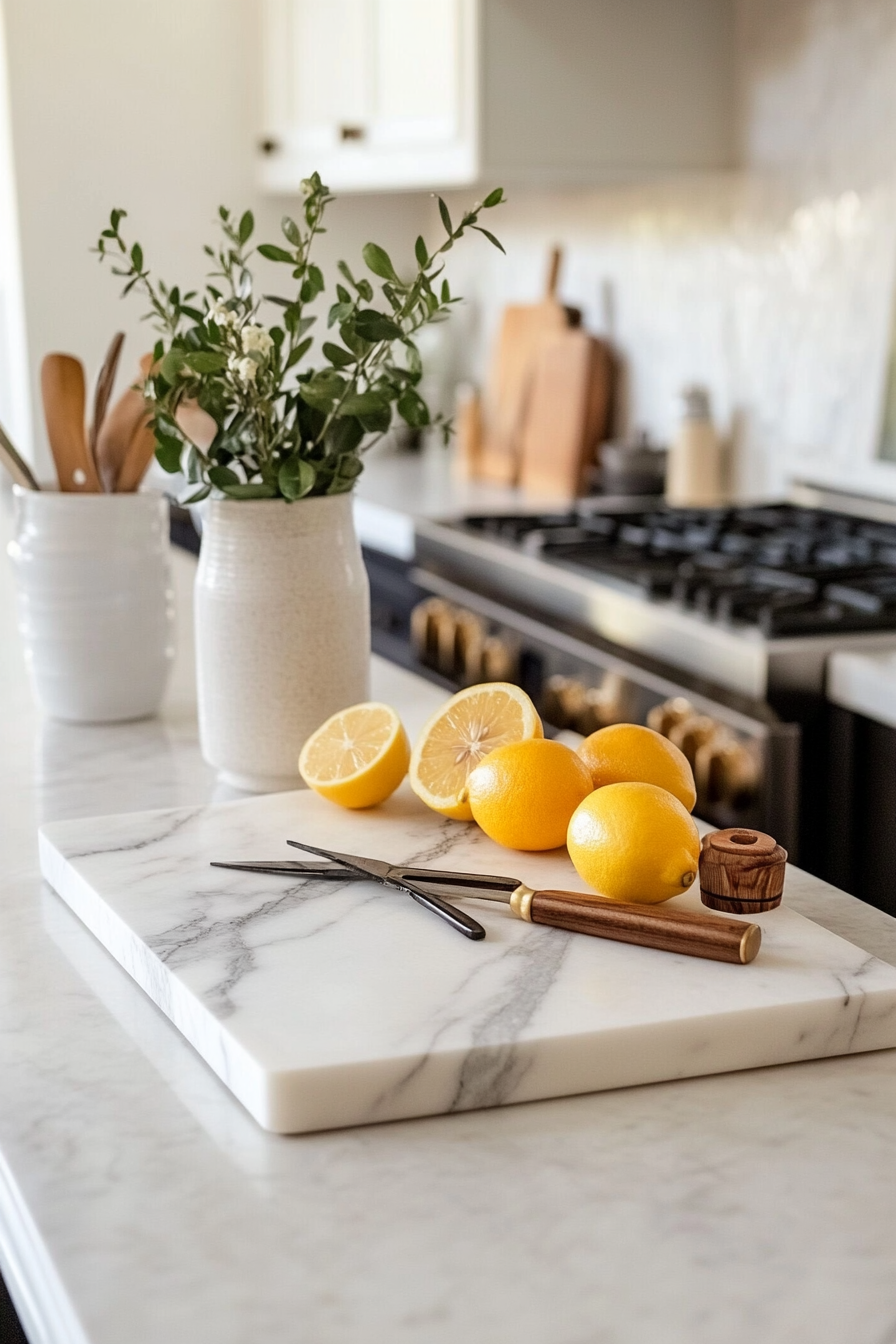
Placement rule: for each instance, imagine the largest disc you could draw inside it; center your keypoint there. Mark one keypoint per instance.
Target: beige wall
(155, 108)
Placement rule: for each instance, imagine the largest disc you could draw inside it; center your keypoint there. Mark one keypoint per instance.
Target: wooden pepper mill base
(741, 871)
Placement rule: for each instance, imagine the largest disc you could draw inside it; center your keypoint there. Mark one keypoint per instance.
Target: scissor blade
(375, 868)
(291, 868)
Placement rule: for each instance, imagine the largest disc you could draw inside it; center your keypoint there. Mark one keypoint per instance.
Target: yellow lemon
(524, 794)
(472, 723)
(358, 757)
(626, 752)
(634, 842)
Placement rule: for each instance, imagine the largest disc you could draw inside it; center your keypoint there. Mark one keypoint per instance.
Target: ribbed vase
(282, 632)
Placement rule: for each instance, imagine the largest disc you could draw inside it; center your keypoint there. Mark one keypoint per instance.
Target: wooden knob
(741, 871)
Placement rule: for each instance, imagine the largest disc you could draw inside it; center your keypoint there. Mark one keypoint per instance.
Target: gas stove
(752, 598)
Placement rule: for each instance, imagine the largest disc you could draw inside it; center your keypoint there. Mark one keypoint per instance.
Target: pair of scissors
(697, 935)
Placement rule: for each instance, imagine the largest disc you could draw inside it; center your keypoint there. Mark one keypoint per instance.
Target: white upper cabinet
(389, 94)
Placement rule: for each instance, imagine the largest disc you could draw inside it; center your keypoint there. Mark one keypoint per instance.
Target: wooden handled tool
(104, 384)
(693, 934)
(64, 397)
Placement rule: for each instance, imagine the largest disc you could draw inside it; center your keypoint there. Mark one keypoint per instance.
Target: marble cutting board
(322, 1005)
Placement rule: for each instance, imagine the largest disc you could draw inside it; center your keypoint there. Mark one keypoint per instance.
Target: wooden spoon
(64, 396)
(15, 464)
(104, 384)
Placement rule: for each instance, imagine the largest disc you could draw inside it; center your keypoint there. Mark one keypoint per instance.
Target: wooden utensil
(741, 871)
(15, 464)
(566, 413)
(116, 433)
(137, 456)
(104, 384)
(523, 327)
(64, 397)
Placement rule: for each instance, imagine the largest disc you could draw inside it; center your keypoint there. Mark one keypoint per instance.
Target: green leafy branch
(282, 428)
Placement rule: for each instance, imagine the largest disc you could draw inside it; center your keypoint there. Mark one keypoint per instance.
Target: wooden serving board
(322, 1005)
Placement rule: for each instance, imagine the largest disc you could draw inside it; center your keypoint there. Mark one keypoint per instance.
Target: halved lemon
(358, 757)
(453, 742)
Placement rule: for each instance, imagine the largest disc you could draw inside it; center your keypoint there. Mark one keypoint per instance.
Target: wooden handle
(555, 261)
(668, 930)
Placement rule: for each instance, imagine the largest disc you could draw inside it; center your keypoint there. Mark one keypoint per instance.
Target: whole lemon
(627, 752)
(634, 842)
(523, 794)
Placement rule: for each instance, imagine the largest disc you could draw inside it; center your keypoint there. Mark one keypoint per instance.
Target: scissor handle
(450, 913)
(696, 935)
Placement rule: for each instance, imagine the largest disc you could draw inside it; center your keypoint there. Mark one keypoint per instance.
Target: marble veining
(323, 1005)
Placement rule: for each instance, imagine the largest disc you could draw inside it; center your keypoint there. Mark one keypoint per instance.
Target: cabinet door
(418, 72)
(374, 94)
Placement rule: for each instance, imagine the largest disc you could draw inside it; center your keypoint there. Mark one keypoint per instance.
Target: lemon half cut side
(456, 738)
(358, 757)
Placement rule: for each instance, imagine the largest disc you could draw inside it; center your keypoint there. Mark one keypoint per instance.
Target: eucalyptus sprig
(283, 428)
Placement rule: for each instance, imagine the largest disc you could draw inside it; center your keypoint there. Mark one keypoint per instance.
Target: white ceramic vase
(282, 632)
(95, 603)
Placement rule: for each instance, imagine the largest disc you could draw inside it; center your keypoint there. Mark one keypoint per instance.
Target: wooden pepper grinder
(741, 871)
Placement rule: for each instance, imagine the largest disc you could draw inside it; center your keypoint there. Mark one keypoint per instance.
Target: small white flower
(222, 315)
(256, 338)
(246, 370)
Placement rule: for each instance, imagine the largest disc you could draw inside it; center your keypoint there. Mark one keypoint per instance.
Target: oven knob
(469, 649)
(563, 700)
(691, 733)
(424, 621)
(662, 718)
(500, 660)
(726, 771)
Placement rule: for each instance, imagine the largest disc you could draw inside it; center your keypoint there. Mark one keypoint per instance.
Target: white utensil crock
(95, 603)
(282, 632)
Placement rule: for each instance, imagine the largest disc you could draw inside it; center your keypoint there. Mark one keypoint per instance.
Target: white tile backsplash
(772, 285)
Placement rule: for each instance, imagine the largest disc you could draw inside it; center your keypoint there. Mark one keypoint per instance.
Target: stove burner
(784, 569)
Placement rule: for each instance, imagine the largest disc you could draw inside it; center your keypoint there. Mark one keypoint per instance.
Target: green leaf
(137, 257)
(247, 224)
(291, 231)
(364, 403)
(222, 476)
(336, 355)
(378, 261)
(323, 389)
(377, 422)
(295, 355)
(274, 253)
(413, 409)
(172, 364)
(374, 326)
(491, 237)
(256, 490)
(446, 218)
(344, 435)
(202, 493)
(446, 292)
(205, 361)
(168, 453)
(316, 277)
(420, 252)
(493, 198)
(296, 478)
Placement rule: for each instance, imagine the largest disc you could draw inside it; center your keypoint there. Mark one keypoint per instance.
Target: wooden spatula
(138, 455)
(523, 328)
(64, 397)
(115, 435)
(566, 413)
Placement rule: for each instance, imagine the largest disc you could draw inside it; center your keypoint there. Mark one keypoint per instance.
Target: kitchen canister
(95, 602)
(282, 632)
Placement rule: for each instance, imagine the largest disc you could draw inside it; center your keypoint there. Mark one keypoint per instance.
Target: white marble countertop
(139, 1202)
(864, 683)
